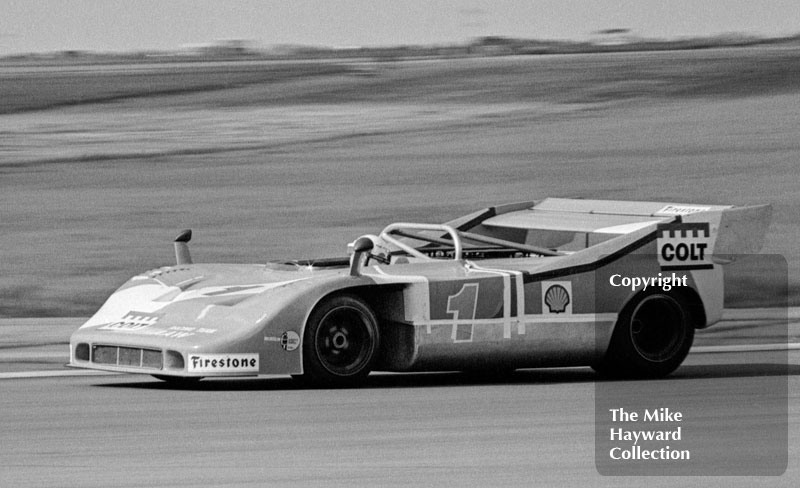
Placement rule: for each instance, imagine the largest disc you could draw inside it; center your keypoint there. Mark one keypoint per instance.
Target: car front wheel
(340, 342)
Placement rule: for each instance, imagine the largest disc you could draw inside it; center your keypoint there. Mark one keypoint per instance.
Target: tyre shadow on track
(457, 379)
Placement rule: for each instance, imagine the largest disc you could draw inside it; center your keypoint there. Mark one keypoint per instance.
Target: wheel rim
(657, 327)
(344, 340)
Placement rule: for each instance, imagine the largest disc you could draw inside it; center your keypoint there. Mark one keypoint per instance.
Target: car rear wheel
(340, 342)
(651, 339)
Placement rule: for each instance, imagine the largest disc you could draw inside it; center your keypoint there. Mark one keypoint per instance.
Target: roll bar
(453, 238)
(400, 228)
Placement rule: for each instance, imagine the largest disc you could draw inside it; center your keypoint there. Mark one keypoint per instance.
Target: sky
(135, 25)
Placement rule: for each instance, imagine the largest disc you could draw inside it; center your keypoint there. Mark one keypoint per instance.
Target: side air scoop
(182, 255)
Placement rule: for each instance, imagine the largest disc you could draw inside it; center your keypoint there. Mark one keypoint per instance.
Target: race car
(619, 286)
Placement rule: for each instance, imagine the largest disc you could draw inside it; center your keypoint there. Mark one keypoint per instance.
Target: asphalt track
(534, 428)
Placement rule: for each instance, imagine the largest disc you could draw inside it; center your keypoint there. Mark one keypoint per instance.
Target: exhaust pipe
(181, 243)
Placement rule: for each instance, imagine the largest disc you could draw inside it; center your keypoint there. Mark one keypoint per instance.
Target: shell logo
(557, 297)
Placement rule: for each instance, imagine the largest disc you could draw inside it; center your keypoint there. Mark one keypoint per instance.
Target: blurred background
(285, 130)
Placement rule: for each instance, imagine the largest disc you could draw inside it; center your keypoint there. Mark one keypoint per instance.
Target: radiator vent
(127, 356)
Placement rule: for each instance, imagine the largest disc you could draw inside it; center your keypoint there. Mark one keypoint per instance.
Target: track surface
(534, 428)
(93, 192)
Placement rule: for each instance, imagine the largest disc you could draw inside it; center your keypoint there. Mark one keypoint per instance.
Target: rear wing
(741, 230)
(685, 232)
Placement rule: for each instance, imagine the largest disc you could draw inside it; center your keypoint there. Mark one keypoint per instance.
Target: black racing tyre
(179, 381)
(651, 338)
(340, 342)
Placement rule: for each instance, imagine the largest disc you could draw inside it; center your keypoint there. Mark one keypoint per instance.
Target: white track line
(794, 346)
(22, 355)
(735, 314)
(53, 374)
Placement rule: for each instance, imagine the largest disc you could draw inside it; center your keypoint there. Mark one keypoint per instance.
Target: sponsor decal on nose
(290, 340)
(223, 363)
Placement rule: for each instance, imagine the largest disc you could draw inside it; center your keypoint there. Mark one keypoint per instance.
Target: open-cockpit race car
(619, 286)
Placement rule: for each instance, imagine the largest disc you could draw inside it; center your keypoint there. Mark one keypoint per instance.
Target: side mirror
(361, 247)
